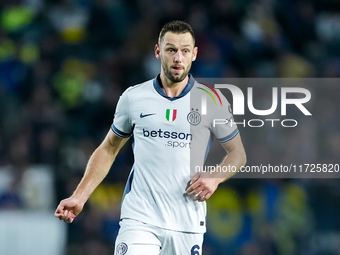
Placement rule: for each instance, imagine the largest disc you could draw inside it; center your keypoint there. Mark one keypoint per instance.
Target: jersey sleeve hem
(119, 133)
(230, 137)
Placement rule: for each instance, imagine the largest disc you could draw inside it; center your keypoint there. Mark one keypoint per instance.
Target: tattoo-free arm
(205, 183)
(97, 168)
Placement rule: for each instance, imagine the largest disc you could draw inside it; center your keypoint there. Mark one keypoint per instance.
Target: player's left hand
(202, 186)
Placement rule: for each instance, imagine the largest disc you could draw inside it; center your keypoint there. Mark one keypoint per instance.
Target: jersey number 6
(195, 250)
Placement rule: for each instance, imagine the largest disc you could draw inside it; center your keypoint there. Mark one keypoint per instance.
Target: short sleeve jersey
(164, 131)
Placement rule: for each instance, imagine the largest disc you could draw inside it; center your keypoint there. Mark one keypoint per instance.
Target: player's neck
(173, 89)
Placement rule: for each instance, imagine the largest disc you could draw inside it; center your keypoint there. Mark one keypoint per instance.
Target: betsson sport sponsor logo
(179, 140)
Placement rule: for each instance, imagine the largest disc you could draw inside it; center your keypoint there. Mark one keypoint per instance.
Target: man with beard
(163, 207)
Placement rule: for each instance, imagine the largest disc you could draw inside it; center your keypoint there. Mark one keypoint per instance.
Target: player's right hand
(68, 209)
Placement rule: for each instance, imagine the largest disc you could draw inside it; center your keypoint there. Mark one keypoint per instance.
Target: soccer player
(163, 207)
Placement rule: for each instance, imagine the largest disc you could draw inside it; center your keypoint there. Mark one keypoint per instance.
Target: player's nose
(178, 57)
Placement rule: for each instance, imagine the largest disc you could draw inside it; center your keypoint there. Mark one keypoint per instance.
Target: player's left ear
(157, 51)
(194, 55)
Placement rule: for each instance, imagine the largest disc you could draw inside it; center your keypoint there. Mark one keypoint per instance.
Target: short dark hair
(177, 27)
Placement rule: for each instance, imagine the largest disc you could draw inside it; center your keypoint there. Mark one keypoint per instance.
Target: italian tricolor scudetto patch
(171, 114)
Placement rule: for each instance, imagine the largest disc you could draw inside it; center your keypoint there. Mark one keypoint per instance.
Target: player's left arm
(204, 184)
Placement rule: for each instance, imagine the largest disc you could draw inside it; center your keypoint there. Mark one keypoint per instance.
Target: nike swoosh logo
(146, 115)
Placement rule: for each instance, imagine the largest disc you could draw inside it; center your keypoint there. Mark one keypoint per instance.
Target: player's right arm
(97, 168)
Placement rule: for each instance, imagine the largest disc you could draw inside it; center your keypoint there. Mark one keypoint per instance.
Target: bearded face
(176, 52)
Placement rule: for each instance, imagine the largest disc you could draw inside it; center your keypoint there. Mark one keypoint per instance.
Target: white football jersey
(171, 136)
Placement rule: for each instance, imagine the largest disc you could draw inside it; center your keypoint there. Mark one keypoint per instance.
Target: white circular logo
(121, 249)
(194, 118)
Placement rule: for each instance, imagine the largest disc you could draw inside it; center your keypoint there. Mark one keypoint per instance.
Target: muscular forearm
(203, 185)
(235, 159)
(232, 164)
(97, 168)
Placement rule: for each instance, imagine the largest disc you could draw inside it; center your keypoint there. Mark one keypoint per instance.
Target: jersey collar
(158, 87)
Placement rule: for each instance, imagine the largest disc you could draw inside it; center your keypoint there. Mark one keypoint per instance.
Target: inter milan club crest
(171, 114)
(194, 118)
(121, 249)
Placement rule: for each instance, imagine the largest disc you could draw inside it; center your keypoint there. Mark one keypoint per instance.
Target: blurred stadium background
(63, 65)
